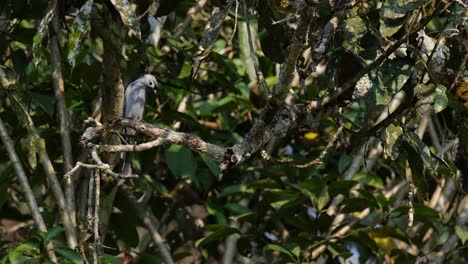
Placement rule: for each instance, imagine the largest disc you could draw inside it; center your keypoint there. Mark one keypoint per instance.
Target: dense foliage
(338, 131)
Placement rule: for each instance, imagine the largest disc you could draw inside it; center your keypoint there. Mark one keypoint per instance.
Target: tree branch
(59, 93)
(274, 118)
(160, 134)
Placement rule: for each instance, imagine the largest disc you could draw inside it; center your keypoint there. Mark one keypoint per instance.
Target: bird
(134, 107)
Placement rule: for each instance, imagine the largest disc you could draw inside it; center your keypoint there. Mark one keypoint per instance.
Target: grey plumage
(134, 107)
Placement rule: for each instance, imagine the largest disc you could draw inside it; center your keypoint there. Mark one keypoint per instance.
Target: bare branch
(59, 93)
(162, 135)
(97, 196)
(260, 78)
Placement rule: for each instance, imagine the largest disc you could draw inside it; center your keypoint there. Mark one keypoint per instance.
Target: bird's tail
(127, 164)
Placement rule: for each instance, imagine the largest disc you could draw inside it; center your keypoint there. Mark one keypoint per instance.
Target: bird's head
(150, 82)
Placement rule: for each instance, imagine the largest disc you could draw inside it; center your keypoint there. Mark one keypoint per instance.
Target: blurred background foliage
(266, 210)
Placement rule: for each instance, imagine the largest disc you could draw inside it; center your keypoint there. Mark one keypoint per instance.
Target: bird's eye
(151, 83)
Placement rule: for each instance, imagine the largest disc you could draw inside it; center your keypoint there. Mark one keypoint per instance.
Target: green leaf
(369, 179)
(335, 253)
(235, 189)
(340, 187)
(69, 254)
(354, 28)
(422, 149)
(393, 14)
(24, 249)
(52, 234)
(273, 247)
(357, 204)
(417, 171)
(129, 18)
(237, 208)
(45, 102)
(392, 140)
(440, 100)
(181, 162)
(80, 26)
(108, 259)
(211, 164)
(344, 162)
(462, 232)
(210, 35)
(422, 212)
(186, 70)
(219, 234)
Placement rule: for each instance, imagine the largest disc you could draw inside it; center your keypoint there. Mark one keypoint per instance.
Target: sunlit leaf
(422, 149)
(440, 100)
(210, 35)
(42, 31)
(393, 12)
(369, 179)
(392, 140)
(80, 26)
(24, 249)
(129, 18)
(462, 232)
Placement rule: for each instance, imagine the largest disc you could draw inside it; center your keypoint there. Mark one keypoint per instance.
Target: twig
(105, 167)
(461, 69)
(259, 73)
(319, 160)
(128, 148)
(315, 162)
(189, 17)
(59, 93)
(23, 179)
(321, 46)
(235, 23)
(284, 20)
(97, 195)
